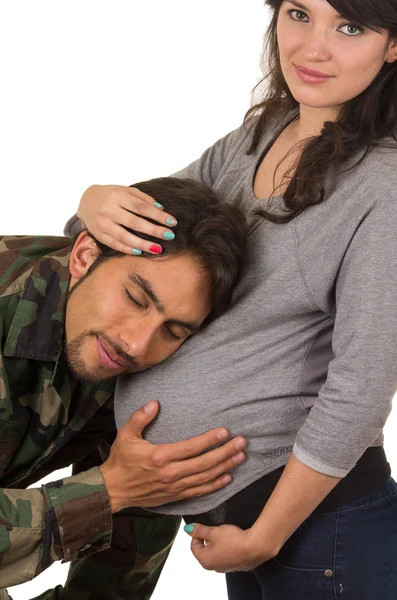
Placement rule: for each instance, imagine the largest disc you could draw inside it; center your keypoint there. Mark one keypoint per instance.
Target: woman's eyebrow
(302, 7)
(298, 5)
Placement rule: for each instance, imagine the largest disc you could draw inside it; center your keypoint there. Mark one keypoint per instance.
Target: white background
(117, 92)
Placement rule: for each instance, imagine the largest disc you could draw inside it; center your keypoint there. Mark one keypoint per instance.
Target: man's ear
(391, 55)
(84, 253)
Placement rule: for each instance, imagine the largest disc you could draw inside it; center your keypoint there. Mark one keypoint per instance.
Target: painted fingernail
(223, 434)
(158, 205)
(240, 444)
(136, 251)
(238, 458)
(156, 249)
(168, 235)
(188, 528)
(171, 221)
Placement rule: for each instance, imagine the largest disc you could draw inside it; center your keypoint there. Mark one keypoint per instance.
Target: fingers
(199, 532)
(197, 547)
(147, 207)
(200, 538)
(135, 222)
(195, 445)
(108, 210)
(202, 490)
(120, 239)
(209, 460)
(141, 418)
(154, 210)
(210, 475)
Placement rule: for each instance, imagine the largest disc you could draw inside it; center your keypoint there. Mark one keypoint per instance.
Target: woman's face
(312, 36)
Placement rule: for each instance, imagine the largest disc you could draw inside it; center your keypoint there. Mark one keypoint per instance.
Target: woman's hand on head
(107, 210)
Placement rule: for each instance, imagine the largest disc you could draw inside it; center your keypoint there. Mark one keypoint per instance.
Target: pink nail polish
(156, 249)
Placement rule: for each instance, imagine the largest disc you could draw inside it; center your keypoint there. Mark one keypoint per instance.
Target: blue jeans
(348, 554)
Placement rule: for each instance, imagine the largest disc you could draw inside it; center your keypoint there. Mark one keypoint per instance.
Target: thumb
(141, 418)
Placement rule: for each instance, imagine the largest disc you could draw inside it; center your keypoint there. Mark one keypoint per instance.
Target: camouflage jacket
(43, 410)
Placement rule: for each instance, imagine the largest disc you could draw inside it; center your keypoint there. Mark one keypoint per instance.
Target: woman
(304, 364)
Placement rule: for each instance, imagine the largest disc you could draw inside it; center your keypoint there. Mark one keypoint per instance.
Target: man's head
(128, 313)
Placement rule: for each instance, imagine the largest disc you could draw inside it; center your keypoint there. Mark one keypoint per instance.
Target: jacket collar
(38, 327)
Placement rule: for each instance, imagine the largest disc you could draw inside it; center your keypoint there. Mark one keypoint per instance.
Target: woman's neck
(312, 121)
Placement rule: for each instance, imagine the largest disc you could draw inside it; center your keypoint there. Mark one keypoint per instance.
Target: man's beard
(74, 353)
(78, 367)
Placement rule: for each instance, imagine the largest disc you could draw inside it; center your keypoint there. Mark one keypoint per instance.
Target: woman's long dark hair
(363, 122)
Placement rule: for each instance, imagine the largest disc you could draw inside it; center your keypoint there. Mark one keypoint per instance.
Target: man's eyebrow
(146, 287)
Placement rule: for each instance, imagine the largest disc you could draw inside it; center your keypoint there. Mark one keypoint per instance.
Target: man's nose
(136, 339)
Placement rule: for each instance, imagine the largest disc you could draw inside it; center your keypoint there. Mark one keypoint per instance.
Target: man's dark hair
(210, 229)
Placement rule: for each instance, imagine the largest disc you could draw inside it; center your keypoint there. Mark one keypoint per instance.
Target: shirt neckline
(267, 145)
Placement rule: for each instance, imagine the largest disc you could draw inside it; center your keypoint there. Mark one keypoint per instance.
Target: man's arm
(63, 520)
(72, 518)
(141, 542)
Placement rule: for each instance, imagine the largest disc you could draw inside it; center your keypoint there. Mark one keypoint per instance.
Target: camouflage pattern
(49, 421)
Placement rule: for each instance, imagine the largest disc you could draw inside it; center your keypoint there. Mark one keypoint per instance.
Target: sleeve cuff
(317, 465)
(81, 506)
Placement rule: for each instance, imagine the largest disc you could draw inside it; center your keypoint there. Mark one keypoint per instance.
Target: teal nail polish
(170, 221)
(136, 251)
(188, 528)
(158, 205)
(168, 235)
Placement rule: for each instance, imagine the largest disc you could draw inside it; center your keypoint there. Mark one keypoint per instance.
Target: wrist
(108, 478)
(262, 546)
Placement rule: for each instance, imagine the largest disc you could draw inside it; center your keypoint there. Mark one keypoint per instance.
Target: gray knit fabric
(306, 359)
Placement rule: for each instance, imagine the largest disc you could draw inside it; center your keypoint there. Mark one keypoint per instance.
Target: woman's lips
(105, 359)
(309, 76)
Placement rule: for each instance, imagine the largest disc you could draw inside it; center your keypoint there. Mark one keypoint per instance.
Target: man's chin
(82, 373)
(88, 378)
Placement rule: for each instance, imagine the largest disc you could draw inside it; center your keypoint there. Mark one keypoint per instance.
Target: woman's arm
(105, 210)
(225, 549)
(352, 406)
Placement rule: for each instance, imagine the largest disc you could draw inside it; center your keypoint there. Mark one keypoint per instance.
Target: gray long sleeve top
(305, 361)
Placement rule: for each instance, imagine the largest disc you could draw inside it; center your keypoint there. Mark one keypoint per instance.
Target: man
(74, 316)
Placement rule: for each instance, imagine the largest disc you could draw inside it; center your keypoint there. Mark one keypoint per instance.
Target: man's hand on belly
(138, 473)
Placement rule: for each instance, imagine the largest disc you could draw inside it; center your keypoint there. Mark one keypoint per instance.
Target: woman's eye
(297, 15)
(351, 30)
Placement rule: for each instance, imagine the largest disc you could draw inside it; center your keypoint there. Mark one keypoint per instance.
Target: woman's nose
(316, 46)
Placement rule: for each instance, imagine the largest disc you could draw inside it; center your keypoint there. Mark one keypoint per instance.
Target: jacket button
(328, 573)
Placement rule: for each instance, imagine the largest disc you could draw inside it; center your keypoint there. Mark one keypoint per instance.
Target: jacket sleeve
(131, 566)
(353, 405)
(205, 169)
(62, 520)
